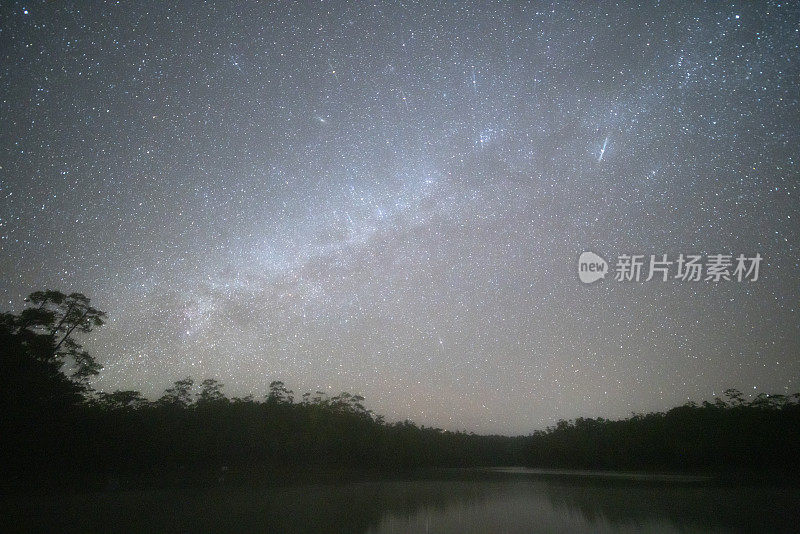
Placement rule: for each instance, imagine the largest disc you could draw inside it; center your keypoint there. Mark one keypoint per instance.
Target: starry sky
(390, 198)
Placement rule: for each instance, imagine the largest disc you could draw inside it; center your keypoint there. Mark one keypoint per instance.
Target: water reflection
(500, 501)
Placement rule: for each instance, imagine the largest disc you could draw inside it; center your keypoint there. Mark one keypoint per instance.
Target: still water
(463, 501)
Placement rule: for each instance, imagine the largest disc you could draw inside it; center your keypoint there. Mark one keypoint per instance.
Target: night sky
(391, 199)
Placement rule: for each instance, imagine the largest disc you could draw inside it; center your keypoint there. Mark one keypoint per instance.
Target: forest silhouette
(60, 430)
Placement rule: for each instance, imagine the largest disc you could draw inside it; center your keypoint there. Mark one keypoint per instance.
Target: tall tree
(42, 363)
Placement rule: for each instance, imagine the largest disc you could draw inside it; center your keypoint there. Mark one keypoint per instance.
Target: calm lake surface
(454, 501)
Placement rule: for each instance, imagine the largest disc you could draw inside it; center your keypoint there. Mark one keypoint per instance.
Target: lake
(449, 501)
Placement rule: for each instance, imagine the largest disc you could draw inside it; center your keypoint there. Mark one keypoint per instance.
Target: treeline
(728, 434)
(208, 429)
(57, 426)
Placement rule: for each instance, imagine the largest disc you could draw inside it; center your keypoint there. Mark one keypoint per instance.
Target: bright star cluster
(390, 198)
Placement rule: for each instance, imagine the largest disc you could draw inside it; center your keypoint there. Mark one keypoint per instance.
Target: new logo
(591, 267)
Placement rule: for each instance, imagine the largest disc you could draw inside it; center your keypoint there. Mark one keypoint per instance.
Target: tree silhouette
(57, 423)
(119, 400)
(179, 395)
(278, 394)
(43, 363)
(210, 392)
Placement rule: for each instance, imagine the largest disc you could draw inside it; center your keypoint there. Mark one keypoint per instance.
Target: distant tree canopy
(727, 434)
(58, 423)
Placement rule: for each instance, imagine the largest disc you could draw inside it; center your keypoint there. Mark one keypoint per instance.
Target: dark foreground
(447, 501)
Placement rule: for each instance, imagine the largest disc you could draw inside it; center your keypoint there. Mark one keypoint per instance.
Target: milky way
(391, 199)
